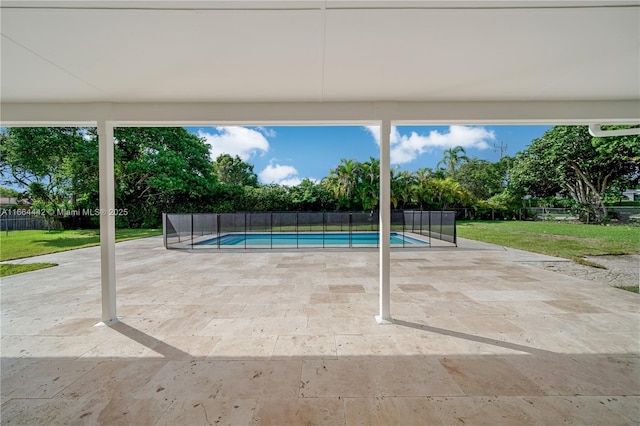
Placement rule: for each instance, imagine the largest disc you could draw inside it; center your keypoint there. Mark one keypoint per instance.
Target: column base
(107, 323)
(383, 321)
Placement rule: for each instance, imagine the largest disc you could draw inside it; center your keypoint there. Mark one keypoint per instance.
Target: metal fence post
(455, 231)
(350, 230)
(218, 228)
(323, 227)
(403, 227)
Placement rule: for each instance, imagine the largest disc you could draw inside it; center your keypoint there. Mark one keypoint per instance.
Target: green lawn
(7, 269)
(631, 288)
(567, 240)
(21, 244)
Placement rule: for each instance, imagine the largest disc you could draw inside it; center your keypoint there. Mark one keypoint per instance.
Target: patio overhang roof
(296, 113)
(137, 55)
(155, 62)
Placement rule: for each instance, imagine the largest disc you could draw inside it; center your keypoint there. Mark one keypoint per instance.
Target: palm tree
(369, 183)
(420, 188)
(449, 193)
(401, 187)
(343, 181)
(452, 157)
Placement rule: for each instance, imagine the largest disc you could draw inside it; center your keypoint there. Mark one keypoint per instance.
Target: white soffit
(483, 54)
(159, 55)
(319, 51)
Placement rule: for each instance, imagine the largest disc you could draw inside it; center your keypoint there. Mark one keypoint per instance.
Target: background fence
(478, 213)
(620, 214)
(193, 231)
(23, 223)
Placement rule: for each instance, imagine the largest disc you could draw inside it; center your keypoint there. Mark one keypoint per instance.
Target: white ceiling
(317, 51)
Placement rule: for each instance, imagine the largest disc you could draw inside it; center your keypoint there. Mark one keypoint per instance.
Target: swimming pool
(264, 230)
(330, 239)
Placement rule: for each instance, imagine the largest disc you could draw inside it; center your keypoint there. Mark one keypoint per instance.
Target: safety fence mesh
(304, 229)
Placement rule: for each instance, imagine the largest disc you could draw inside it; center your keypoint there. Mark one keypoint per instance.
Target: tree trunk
(593, 194)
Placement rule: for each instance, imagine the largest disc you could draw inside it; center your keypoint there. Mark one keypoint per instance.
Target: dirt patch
(562, 237)
(621, 270)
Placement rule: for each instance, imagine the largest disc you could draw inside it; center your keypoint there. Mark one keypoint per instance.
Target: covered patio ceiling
(580, 57)
(154, 62)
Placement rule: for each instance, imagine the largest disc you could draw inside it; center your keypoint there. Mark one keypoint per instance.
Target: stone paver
(481, 336)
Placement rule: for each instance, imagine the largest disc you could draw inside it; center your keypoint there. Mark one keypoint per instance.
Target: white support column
(107, 223)
(385, 223)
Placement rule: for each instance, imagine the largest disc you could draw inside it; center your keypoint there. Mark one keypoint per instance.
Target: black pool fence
(209, 230)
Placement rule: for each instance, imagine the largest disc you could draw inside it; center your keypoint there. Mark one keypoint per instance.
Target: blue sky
(287, 154)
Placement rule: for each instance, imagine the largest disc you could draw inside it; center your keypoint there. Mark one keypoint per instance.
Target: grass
(631, 288)
(21, 244)
(568, 240)
(7, 269)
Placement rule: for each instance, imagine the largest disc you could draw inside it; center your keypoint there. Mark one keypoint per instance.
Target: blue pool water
(309, 239)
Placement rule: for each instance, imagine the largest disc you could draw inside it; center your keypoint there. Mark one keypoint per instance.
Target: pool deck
(288, 337)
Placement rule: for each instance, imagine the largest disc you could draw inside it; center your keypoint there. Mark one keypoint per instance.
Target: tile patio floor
(289, 337)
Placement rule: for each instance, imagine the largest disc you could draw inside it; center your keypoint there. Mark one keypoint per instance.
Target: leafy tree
(161, 169)
(156, 169)
(226, 199)
(304, 195)
(9, 192)
(448, 193)
(568, 160)
(43, 156)
(270, 197)
(310, 196)
(233, 171)
(507, 203)
(482, 178)
(85, 171)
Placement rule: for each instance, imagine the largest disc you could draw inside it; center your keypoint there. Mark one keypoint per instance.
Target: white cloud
(375, 132)
(282, 175)
(235, 140)
(270, 133)
(290, 182)
(406, 148)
